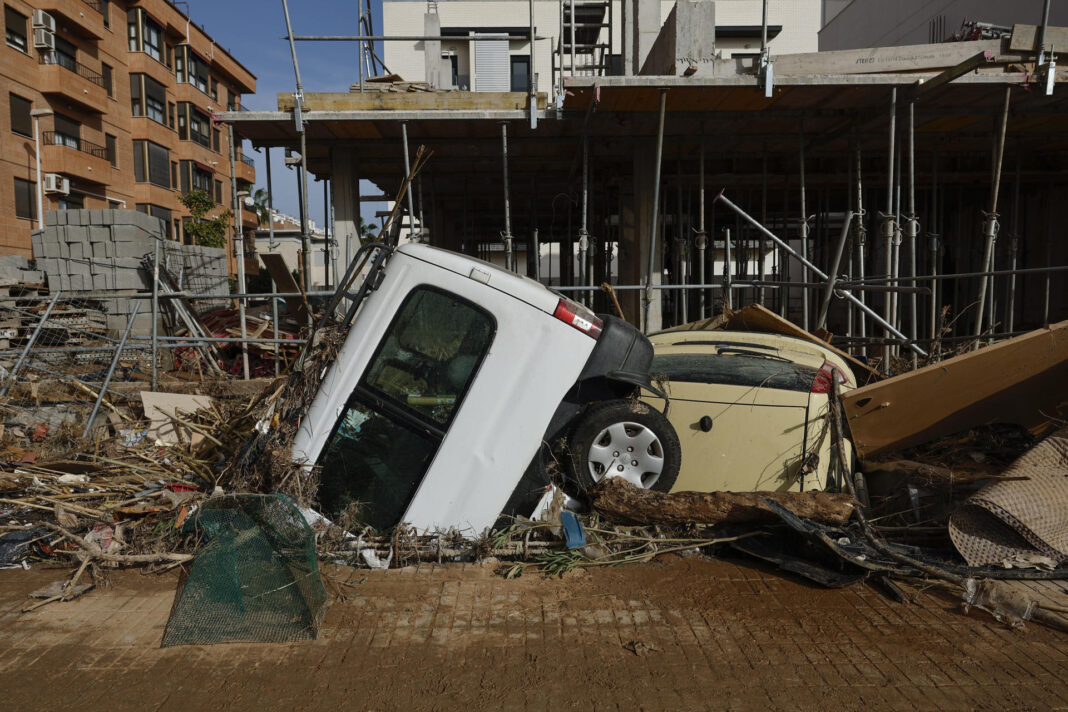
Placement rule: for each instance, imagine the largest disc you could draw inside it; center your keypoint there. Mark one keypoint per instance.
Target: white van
(458, 380)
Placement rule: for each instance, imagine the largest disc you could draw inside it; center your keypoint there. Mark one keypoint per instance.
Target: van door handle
(705, 423)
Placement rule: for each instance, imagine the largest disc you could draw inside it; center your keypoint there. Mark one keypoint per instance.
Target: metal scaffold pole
(991, 225)
(889, 229)
(913, 230)
(860, 238)
(239, 244)
(509, 247)
(701, 239)
(1010, 303)
(408, 193)
(934, 237)
(651, 265)
(804, 231)
(583, 233)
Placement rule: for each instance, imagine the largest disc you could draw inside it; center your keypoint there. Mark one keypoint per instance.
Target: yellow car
(750, 409)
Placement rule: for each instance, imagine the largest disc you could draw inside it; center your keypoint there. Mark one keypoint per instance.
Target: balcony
(84, 18)
(249, 217)
(74, 157)
(245, 168)
(62, 76)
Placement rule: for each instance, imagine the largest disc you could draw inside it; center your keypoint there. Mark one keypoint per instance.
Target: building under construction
(900, 196)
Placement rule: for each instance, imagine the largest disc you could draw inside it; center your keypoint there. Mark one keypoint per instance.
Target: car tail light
(823, 380)
(578, 316)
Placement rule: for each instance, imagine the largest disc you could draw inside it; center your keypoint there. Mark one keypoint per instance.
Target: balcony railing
(96, 5)
(247, 160)
(236, 106)
(67, 62)
(80, 144)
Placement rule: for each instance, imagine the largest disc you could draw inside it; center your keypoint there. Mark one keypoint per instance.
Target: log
(620, 501)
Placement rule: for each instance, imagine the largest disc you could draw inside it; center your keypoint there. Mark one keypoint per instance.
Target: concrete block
(76, 233)
(126, 233)
(52, 217)
(76, 217)
(96, 217)
(133, 263)
(76, 250)
(32, 276)
(99, 250)
(132, 249)
(99, 233)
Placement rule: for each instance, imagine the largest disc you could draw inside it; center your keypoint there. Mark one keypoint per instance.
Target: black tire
(633, 423)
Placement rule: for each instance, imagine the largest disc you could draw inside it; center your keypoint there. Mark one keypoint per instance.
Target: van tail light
(578, 316)
(823, 380)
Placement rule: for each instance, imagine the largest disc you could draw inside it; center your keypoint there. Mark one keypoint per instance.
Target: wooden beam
(1025, 38)
(412, 101)
(1021, 380)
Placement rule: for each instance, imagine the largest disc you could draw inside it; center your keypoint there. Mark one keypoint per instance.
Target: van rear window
(734, 369)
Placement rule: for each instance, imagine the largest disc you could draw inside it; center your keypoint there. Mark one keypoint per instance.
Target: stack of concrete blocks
(15, 272)
(102, 250)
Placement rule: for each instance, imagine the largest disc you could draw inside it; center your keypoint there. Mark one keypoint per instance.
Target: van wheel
(624, 438)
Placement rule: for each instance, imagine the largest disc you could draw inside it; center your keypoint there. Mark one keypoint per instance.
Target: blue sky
(253, 32)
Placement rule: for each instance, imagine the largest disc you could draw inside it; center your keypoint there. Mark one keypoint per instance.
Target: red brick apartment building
(123, 95)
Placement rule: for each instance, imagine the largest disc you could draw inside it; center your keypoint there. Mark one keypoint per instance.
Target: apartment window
(109, 143)
(215, 140)
(105, 72)
(170, 56)
(520, 72)
(15, 29)
(147, 97)
(170, 114)
(67, 131)
(25, 203)
(194, 176)
(174, 174)
(192, 68)
(152, 163)
(71, 202)
(179, 63)
(214, 89)
(193, 125)
(218, 192)
(105, 10)
(133, 29)
(152, 39)
(65, 54)
(21, 123)
(202, 179)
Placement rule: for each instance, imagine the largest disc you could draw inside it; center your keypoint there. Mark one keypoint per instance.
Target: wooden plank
(284, 282)
(909, 58)
(756, 318)
(412, 101)
(1025, 38)
(1022, 380)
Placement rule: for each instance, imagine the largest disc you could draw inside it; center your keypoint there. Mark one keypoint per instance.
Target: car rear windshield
(735, 368)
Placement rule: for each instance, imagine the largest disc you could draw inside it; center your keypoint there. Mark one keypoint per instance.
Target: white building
(504, 65)
(878, 23)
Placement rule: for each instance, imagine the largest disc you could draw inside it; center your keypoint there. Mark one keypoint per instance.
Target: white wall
(879, 23)
(800, 20)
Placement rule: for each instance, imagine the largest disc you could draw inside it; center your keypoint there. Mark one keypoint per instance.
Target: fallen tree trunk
(620, 501)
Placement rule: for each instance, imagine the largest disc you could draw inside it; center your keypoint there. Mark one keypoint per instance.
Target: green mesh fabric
(256, 579)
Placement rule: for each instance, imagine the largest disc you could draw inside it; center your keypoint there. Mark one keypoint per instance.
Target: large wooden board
(1025, 38)
(1022, 380)
(284, 282)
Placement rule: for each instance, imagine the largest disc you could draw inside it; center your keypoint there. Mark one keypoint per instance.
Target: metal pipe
(682, 275)
(763, 221)
(913, 230)
(305, 236)
(656, 206)
(583, 234)
(804, 216)
(991, 229)
(860, 238)
(412, 38)
(1042, 34)
(817, 271)
(155, 316)
(29, 344)
(728, 268)
(837, 262)
(764, 29)
(509, 248)
(1010, 306)
(239, 241)
(328, 260)
(293, 52)
(572, 38)
(37, 168)
(888, 224)
(111, 368)
(408, 175)
(933, 247)
(701, 239)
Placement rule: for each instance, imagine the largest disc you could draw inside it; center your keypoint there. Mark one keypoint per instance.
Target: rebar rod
(29, 344)
(992, 217)
(114, 363)
(408, 177)
(817, 271)
(836, 263)
(656, 206)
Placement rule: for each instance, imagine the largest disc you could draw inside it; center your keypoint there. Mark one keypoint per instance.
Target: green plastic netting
(256, 579)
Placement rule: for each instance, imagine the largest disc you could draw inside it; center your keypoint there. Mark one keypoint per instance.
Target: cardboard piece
(1022, 380)
(158, 409)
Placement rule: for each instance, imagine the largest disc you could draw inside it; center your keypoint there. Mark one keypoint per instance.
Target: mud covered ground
(675, 634)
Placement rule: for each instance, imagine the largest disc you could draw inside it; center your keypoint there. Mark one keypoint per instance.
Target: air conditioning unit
(55, 183)
(43, 21)
(44, 39)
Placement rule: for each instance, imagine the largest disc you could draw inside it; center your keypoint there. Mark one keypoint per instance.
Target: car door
(740, 414)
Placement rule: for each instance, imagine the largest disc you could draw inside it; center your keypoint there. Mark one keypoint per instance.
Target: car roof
(805, 352)
(518, 286)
